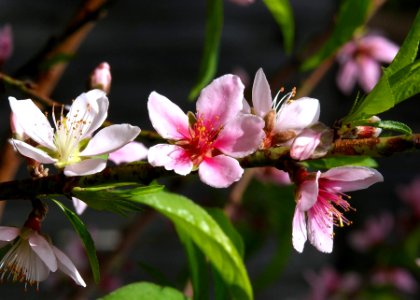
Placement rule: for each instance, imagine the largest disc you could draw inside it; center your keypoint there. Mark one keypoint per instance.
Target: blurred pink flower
(272, 175)
(375, 231)
(319, 197)
(6, 43)
(360, 61)
(410, 193)
(209, 140)
(397, 277)
(243, 2)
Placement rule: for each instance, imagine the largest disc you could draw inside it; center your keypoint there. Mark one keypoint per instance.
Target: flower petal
(261, 94)
(221, 100)
(320, 235)
(307, 193)
(8, 234)
(380, 48)
(92, 108)
(305, 144)
(85, 167)
(167, 118)
(171, 157)
(220, 171)
(347, 76)
(110, 139)
(133, 151)
(347, 179)
(34, 123)
(32, 152)
(241, 136)
(299, 234)
(67, 266)
(298, 114)
(43, 249)
(369, 73)
(79, 205)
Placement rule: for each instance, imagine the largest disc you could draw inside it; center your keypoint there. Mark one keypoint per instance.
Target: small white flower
(71, 145)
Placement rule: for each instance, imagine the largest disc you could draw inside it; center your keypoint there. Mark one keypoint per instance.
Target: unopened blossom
(360, 61)
(32, 257)
(210, 139)
(320, 201)
(6, 43)
(101, 78)
(70, 145)
(284, 118)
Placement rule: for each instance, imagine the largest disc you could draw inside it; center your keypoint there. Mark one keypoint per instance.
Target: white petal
(299, 234)
(67, 266)
(79, 205)
(32, 152)
(171, 157)
(261, 94)
(43, 249)
(320, 235)
(8, 234)
(110, 139)
(34, 123)
(133, 151)
(85, 167)
(298, 114)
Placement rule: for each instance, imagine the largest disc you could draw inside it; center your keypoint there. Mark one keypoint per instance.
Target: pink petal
(32, 152)
(346, 52)
(133, 151)
(167, 118)
(43, 249)
(307, 193)
(171, 157)
(305, 144)
(33, 121)
(320, 235)
(221, 100)
(298, 114)
(220, 171)
(8, 234)
(261, 94)
(347, 76)
(92, 107)
(381, 48)
(67, 266)
(246, 109)
(241, 136)
(110, 139)
(347, 179)
(299, 234)
(85, 167)
(79, 205)
(369, 73)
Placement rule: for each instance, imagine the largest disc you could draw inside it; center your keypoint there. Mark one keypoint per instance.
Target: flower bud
(6, 43)
(101, 78)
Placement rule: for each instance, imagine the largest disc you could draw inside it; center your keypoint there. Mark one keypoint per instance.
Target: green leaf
(337, 161)
(84, 235)
(208, 67)
(207, 236)
(115, 197)
(155, 274)
(283, 14)
(352, 15)
(394, 126)
(145, 291)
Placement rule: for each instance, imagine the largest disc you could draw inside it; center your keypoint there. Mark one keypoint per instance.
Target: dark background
(157, 45)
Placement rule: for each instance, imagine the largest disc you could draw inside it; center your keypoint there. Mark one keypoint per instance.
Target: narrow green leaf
(84, 235)
(208, 67)
(337, 161)
(283, 14)
(351, 16)
(394, 126)
(221, 291)
(207, 236)
(157, 276)
(145, 291)
(199, 270)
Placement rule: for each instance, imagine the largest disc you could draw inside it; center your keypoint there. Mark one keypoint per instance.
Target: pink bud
(6, 43)
(101, 77)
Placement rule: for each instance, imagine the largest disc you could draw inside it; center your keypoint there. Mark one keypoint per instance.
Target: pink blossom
(211, 139)
(31, 257)
(411, 195)
(375, 231)
(319, 197)
(133, 151)
(101, 77)
(360, 61)
(397, 277)
(6, 43)
(272, 175)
